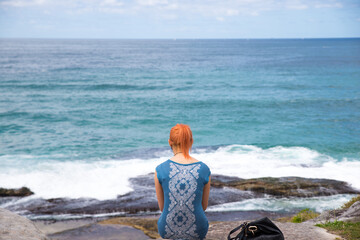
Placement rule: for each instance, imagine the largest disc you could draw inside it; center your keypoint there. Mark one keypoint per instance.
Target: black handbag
(261, 229)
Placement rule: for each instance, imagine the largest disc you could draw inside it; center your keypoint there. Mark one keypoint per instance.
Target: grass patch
(347, 230)
(304, 215)
(351, 202)
(284, 219)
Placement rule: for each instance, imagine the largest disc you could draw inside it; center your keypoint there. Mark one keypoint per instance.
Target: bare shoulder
(194, 160)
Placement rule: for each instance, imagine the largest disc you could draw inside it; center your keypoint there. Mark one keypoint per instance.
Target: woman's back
(183, 216)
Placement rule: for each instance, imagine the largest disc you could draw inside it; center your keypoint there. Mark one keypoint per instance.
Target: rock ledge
(16, 227)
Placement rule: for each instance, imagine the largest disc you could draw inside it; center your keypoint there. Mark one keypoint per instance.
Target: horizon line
(75, 38)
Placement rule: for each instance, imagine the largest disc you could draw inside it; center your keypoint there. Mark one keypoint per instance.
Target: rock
(287, 186)
(298, 231)
(327, 216)
(16, 227)
(224, 189)
(352, 214)
(101, 232)
(147, 225)
(19, 192)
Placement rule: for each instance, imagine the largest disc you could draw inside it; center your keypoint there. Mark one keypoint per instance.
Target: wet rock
(224, 189)
(18, 192)
(287, 186)
(15, 227)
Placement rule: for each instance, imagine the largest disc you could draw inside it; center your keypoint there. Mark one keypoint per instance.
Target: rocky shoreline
(15, 227)
(142, 201)
(285, 186)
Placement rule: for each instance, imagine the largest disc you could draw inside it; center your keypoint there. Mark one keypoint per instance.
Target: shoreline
(146, 227)
(143, 225)
(250, 197)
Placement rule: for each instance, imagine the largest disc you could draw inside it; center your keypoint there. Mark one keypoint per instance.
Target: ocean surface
(78, 118)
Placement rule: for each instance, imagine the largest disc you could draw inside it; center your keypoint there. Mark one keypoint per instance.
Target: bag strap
(242, 227)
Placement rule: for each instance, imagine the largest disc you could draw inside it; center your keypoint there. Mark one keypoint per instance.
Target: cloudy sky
(179, 18)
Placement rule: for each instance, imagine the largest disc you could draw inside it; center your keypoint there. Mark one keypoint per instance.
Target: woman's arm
(159, 193)
(206, 192)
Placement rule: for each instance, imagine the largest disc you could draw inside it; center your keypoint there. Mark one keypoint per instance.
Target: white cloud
(328, 5)
(231, 12)
(169, 16)
(254, 13)
(152, 2)
(82, 10)
(220, 19)
(111, 10)
(111, 3)
(22, 3)
(172, 6)
(297, 5)
(215, 9)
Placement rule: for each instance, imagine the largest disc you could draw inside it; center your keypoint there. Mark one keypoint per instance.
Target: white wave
(251, 162)
(101, 180)
(317, 204)
(105, 179)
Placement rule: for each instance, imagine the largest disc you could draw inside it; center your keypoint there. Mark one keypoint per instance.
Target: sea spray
(106, 179)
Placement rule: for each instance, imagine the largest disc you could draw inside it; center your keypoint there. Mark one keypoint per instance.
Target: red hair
(181, 135)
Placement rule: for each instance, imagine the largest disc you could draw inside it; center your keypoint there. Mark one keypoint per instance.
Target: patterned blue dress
(183, 216)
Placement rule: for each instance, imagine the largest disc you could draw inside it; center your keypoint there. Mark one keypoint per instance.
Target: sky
(179, 19)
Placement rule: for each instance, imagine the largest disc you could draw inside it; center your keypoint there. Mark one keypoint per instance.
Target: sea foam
(318, 204)
(106, 179)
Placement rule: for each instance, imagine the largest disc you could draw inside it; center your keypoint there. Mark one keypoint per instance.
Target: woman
(182, 186)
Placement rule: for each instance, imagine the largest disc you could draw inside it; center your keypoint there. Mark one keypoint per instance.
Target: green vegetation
(304, 215)
(351, 202)
(347, 230)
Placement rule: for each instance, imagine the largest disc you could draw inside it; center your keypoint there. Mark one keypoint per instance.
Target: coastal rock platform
(285, 186)
(225, 189)
(291, 231)
(118, 228)
(351, 214)
(16, 227)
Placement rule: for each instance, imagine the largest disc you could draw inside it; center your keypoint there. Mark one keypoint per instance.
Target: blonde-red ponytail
(181, 135)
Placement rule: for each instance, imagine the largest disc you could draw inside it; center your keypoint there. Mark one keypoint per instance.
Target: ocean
(79, 118)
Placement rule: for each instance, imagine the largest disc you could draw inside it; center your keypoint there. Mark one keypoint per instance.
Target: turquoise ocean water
(82, 114)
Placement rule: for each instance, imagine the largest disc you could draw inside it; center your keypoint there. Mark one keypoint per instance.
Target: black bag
(262, 229)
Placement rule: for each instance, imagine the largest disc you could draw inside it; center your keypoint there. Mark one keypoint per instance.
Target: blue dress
(183, 216)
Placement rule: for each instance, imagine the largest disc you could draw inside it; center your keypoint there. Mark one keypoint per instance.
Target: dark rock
(216, 178)
(19, 192)
(142, 200)
(287, 186)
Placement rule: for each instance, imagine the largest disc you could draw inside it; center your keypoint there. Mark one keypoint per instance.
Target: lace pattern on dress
(180, 221)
